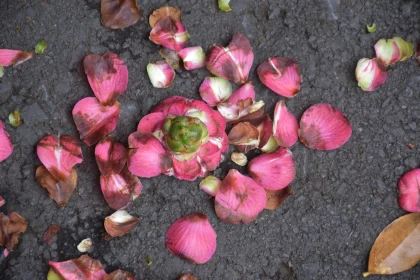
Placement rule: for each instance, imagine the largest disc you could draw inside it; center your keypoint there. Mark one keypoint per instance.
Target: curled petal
(10, 227)
(276, 198)
(152, 122)
(210, 155)
(169, 33)
(49, 234)
(285, 126)
(239, 198)
(120, 190)
(82, 268)
(59, 190)
(59, 153)
(94, 120)
(244, 92)
(370, 73)
(214, 90)
(244, 136)
(161, 74)
(281, 75)
(393, 50)
(117, 14)
(119, 275)
(273, 171)
(187, 277)
(242, 111)
(233, 62)
(120, 223)
(147, 156)
(409, 189)
(193, 57)
(171, 57)
(210, 185)
(166, 11)
(111, 156)
(6, 146)
(188, 169)
(323, 127)
(107, 76)
(239, 158)
(267, 142)
(192, 238)
(15, 57)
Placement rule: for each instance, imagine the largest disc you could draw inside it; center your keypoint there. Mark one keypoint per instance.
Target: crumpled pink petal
(285, 126)
(273, 171)
(210, 154)
(94, 120)
(242, 93)
(6, 146)
(151, 122)
(266, 134)
(15, 57)
(169, 33)
(192, 238)
(323, 127)
(409, 189)
(84, 268)
(243, 110)
(111, 156)
(175, 105)
(59, 153)
(107, 76)
(188, 169)
(239, 199)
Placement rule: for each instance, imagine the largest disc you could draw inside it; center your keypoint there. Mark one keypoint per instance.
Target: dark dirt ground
(344, 197)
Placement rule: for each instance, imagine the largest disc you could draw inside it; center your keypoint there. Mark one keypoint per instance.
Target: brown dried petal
(119, 275)
(187, 277)
(120, 223)
(244, 136)
(50, 233)
(276, 198)
(10, 228)
(117, 14)
(162, 12)
(171, 57)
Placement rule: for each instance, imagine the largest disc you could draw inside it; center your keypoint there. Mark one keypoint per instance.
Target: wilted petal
(193, 57)
(233, 62)
(84, 268)
(192, 238)
(285, 125)
(49, 234)
(276, 198)
(393, 50)
(94, 120)
(151, 122)
(59, 190)
(6, 146)
(59, 153)
(239, 158)
(409, 189)
(120, 223)
(239, 198)
(119, 275)
(244, 92)
(147, 156)
(15, 57)
(171, 57)
(187, 277)
(107, 76)
(214, 90)
(244, 110)
(244, 136)
(370, 73)
(281, 75)
(166, 11)
(120, 190)
(117, 14)
(273, 171)
(323, 127)
(210, 185)
(169, 33)
(188, 169)
(111, 156)
(10, 227)
(161, 74)
(267, 142)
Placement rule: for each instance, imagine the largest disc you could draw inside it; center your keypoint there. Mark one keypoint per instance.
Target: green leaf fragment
(14, 118)
(149, 260)
(40, 47)
(1, 71)
(224, 5)
(371, 28)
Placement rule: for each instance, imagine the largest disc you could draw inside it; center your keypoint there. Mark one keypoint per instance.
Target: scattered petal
(171, 57)
(10, 227)
(161, 74)
(370, 73)
(371, 28)
(239, 158)
(267, 142)
(120, 223)
(210, 185)
(276, 198)
(2, 201)
(285, 126)
(85, 245)
(215, 90)
(40, 47)
(82, 268)
(166, 11)
(193, 58)
(393, 50)
(169, 33)
(152, 122)
(417, 54)
(49, 234)
(224, 5)
(244, 136)
(6, 146)
(14, 119)
(192, 238)
(15, 57)
(116, 14)
(409, 189)
(119, 275)
(111, 156)
(244, 110)
(243, 93)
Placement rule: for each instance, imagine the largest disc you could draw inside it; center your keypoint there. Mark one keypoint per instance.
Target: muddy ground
(344, 198)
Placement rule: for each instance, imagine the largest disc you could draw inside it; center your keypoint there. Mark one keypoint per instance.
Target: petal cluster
(82, 268)
(6, 146)
(409, 189)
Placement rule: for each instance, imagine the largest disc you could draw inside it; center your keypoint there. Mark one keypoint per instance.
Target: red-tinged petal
(175, 105)
(169, 33)
(214, 90)
(281, 75)
(233, 62)
(161, 74)
(107, 76)
(2, 201)
(192, 238)
(239, 199)
(111, 156)
(242, 93)
(211, 114)
(6, 146)
(117, 14)
(188, 169)
(83, 268)
(210, 185)
(15, 57)
(210, 154)
(285, 126)
(193, 58)
(10, 227)
(166, 11)
(49, 234)
(120, 190)
(120, 223)
(94, 120)
(147, 156)
(370, 73)
(409, 189)
(323, 127)
(265, 129)
(273, 171)
(151, 122)
(244, 110)
(119, 275)
(59, 190)
(59, 153)
(276, 198)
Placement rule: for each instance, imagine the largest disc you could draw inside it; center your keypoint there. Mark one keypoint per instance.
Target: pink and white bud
(15, 57)
(161, 74)
(215, 90)
(370, 73)
(285, 126)
(210, 185)
(193, 57)
(169, 33)
(393, 50)
(6, 146)
(408, 187)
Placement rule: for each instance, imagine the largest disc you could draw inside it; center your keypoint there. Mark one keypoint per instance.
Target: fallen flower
(161, 74)
(83, 268)
(323, 127)
(193, 57)
(224, 5)
(169, 33)
(166, 11)
(10, 227)
(232, 62)
(276, 198)
(171, 57)
(111, 156)
(285, 126)
(119, 275)
(6, 146)
(15, 57)
(120, 223)
(281, 75)
(14, 119)
(49, 234)
(393, 50)
(371, 28)
(409, 189)
(210, 185)
(2, 201)
(192, 238)
(85, 245)
(214, 90)
(244, 136)
(239, 158)
(370, 73)
(239, 199)
(117, 14)
(40, 47)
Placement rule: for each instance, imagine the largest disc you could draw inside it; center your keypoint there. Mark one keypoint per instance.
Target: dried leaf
(276, 198)
(49, 234)
(10, 228)
(171, 57)
(162, 12)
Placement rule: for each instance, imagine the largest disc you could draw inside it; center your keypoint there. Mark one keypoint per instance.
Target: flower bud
(169, 33)
(210, 185)
(370, 73)
(239, 158)
(193, 57)
(393, 50)
(120, 223)
(215, 90)
(6, 146)
(85, 245)
(161, 74)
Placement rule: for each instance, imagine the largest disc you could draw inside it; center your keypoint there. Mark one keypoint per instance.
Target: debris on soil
(14, 119)
(371, 28)
(40, 47)
(49, 234)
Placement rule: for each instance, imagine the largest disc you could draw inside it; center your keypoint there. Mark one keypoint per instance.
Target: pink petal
(214, 121)
(107, 76)
(370, 73)
(323, 127)
(242, 93)
(15, 57)
(192, 238)
(193, 57)
(111, 156)
(233, 62)
(175, 105)
(83, 268)
(281, 75)
(2, 201)
(161, 74)
(169, 33)
(59, 153)
(409, 189)
(273, 171)
(210, 155)
(266, 133)
(147, 157)
(285, 125)
(214, 90)
(94, 120)
(120, 190)
(119, 275)
(188, 169)
(239, 199)
(151, 122)
(6, 146)
(417, 53)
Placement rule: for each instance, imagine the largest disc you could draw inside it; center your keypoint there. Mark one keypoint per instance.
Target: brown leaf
(10, 228)
(244, 136)
(276, 198)
(117, 14)
(162, 12)
(397, 248)
(171, 57)
(49, 234)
